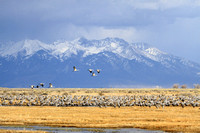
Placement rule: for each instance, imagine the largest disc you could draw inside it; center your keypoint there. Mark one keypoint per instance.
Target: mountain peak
(141, 45)
(122, 63)
(24, 48)
(141, 52)
(82, 39)
(115, 39)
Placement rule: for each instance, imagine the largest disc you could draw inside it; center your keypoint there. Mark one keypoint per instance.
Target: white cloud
(162, 4)
(165, 23)
(129, 34)
(165, 4)
(144, 5)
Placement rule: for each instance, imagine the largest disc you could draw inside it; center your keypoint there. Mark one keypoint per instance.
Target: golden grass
(102, 91)
(20, 131)
(167, 119)
(173, 119)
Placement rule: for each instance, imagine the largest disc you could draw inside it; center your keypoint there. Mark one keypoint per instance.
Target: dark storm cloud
(163, 23)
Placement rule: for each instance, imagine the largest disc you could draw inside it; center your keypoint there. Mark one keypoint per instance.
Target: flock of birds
(90, 70)
(99, 101)
(74, 70)
(41, 85)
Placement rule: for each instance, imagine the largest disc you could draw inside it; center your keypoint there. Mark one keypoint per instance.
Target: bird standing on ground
(32, 86)
(42, 84)
(50, 85)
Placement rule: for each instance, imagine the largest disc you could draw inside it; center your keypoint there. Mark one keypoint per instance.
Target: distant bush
(105, 91)
(186, 94)
(101, 93)
(14, 93)
(25, 93)
(196, 86)
(65, 94)
(183, 86)
(73, 91)
(44, 93)
(175, 86)
(130, 91)
(88, 91)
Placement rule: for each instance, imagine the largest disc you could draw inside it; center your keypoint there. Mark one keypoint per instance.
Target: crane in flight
(98, 70)
(74, 69)
(90, 70)
(93, 74)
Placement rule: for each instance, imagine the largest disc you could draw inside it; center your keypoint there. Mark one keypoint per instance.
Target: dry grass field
(173, 119)
(101, 91)
(20, 131)
(168, 119)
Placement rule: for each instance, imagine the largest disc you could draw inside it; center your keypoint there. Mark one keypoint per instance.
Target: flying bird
(98, 70)
(90, 70)
(93, 74)
(74, 69)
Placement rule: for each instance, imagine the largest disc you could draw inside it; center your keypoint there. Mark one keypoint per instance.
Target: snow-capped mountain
(122, 64)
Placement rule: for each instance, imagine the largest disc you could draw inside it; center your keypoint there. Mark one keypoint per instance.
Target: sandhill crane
(93, 74)
(50, 85)
(32, 86)
(98, 70)
(74, 69)
(90, 70)
(42, 84)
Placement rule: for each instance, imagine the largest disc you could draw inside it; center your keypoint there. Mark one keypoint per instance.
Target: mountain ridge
(122, 64)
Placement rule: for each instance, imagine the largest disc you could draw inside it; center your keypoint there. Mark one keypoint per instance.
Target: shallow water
(77, 130)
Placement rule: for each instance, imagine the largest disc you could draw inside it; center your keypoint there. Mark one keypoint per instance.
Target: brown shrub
(65, 94)
(101, 93)
(184, 86)
(175, 86)
(196, 86)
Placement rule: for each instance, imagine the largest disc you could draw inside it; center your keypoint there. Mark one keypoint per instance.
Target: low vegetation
(101, 91)
(173, 119)
(169, 119)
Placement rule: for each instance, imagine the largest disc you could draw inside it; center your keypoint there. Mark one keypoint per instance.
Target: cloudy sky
(170, 25)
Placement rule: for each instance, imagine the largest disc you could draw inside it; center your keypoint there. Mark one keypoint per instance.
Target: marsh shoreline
(72, 129)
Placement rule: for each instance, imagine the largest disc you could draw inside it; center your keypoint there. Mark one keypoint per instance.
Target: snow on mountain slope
(67, 48)
(122, 63)
(29, 47)
(63, 50)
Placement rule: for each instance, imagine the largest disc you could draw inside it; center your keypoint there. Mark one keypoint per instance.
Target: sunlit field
(101, 91)
(171, 118)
